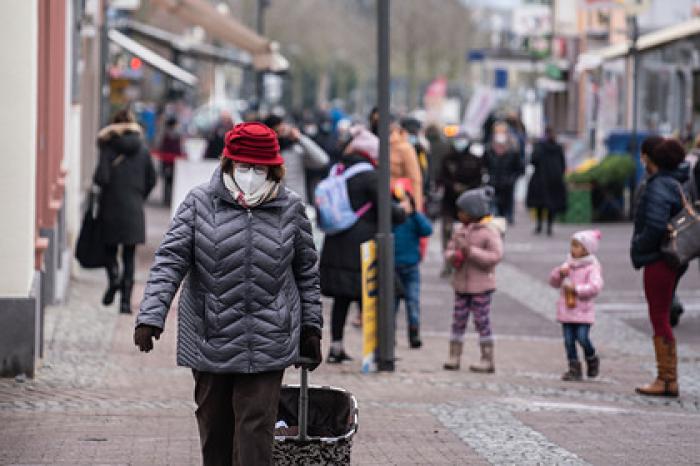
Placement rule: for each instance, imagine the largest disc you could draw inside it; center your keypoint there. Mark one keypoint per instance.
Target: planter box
(579, 208)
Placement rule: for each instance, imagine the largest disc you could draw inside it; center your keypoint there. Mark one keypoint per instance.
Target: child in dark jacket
(407, 257)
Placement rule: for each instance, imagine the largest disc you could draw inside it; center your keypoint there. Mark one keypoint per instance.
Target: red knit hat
(252, 143)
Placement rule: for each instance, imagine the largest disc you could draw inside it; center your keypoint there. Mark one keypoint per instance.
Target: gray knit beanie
(476, 202)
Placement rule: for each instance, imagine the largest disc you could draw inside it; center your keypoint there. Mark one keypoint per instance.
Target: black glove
(143, 336)
(310, 348)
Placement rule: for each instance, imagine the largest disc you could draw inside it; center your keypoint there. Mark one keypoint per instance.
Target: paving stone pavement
(96, 400)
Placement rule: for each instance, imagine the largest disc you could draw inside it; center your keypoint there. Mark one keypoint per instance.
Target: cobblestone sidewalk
(96, 400)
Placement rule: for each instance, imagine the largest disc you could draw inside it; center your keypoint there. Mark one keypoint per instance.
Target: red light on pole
(135, 63)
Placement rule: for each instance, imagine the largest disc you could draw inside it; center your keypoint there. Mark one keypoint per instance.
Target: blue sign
(501, 78)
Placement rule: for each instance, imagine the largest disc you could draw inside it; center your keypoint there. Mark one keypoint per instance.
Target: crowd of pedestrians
(242, 248)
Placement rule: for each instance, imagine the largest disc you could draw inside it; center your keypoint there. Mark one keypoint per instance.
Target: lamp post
(385, 238)
(260, 75)
(634, 53)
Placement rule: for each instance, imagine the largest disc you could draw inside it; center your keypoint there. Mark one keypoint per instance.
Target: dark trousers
(541, 212)
(339, 314)
(236, 415)
(128, 259)
(168, 171)
(577, 333)
(504, 202)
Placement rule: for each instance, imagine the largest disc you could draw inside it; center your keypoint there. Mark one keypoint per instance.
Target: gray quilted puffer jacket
(251, 281)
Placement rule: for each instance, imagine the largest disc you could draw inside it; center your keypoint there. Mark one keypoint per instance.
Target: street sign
(368, 254)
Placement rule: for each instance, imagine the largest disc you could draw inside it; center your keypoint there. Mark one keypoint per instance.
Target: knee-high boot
(666, 382)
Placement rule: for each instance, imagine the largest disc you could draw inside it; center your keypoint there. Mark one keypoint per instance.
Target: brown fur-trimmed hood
(117, 129)
(124, 138)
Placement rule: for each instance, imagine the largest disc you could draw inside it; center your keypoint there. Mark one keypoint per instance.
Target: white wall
(18, 94)
(664, 13)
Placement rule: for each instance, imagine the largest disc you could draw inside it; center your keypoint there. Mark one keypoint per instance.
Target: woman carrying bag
(125, 176)
(658, 204)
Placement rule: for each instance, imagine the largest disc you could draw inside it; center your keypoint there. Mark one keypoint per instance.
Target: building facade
(48, 126)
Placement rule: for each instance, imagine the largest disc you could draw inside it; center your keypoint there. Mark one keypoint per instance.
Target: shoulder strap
(684, 199)
(357, 168)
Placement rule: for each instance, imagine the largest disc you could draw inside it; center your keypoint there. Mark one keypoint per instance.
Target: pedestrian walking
(580, 279)
(215, 141)
(407, 257)
(403, 157)
(404, 162)
(504, 167)
(341, 274)
(300, 153)
(475, 250)
(547, 190)
(413, 128)
(126, 176)
(462, 169)
(660, 201)
(250, 304)
(170, 149)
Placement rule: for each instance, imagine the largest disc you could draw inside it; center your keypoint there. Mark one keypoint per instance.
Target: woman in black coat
(341, 273)
(125, 175)
(461, 170)
(504, 167)
(547, 190)
(660, 201)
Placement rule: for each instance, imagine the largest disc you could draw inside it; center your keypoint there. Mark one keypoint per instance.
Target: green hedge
(613, 170)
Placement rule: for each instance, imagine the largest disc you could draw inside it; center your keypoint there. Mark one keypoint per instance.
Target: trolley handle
(304, 400)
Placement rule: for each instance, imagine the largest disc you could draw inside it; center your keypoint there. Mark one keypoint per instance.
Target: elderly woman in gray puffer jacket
(250, 304)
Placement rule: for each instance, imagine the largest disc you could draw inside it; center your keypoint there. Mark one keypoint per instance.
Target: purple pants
(480, 306)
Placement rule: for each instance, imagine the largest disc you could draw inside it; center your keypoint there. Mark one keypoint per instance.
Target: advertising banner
(368, 255)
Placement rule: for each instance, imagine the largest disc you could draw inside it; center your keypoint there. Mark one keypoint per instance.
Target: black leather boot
(414, 337)
(113, 285)
(125, 306)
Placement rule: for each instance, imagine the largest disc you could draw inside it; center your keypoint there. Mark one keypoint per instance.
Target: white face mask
(249, 179)
(500, 138)
(460, 144)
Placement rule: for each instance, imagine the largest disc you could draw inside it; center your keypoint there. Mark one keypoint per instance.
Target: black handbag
(683, 242)
(90, 249)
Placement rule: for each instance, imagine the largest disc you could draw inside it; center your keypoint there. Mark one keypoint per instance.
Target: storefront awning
(198, 50)
(152, 58)
(265, 52)
(591, 60)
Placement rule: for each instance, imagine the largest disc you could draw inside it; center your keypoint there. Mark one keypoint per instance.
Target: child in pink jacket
(474, 251)
(581, 280)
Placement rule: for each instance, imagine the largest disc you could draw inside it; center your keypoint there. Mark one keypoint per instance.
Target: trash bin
(321, 437)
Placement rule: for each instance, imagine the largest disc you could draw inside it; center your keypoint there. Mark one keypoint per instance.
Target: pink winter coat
(586, 275)
(475, 250)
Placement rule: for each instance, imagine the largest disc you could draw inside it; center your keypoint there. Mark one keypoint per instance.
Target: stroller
(317, 425)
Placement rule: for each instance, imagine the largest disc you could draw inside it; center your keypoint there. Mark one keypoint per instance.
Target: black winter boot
(574, 374)
(113, 285)
(414, 337)
(592, 366)
(125, 305)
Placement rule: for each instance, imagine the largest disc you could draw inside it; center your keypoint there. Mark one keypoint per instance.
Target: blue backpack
(335, 213)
